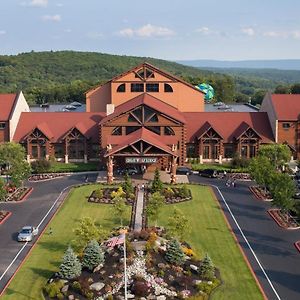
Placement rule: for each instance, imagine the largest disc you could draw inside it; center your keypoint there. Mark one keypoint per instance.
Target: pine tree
(207, 269)
(174, 253)
(93, 255)
(157, 184)
(127, 185)
(70, 267)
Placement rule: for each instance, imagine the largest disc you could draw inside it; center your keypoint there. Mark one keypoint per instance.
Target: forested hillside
(64, 76)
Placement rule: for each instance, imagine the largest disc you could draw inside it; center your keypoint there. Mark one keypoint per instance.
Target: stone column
(85, 158)
(110, 170)
(220, 159)
(28, 158)
(201, 159)
(47, 156)
(173, 169)
(66, 158)
(66, 151)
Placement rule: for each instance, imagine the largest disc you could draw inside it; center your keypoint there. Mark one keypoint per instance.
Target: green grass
(210, 234)
(45, 258)
(218, 167)
(59, 167)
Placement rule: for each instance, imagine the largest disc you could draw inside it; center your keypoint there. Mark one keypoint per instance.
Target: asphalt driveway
(273, 246)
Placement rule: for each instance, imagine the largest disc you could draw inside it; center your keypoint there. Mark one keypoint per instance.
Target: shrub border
(270, 212)
(6, 217)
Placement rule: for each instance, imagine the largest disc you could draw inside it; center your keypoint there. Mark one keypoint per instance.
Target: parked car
(27, 233)
(129, 171)
(184, 171)
(211, 173)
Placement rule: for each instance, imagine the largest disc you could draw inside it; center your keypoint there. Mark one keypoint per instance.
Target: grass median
(210, 234)
(45, 258)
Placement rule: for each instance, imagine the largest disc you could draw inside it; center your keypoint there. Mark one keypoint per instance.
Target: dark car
(208, 173)
(184, 171)
(129, 171)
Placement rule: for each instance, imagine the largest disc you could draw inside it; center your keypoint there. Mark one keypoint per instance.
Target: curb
(6, 217)
(257, 197)
(25, 196)
(297, 245)
(277, 222)
(238, 244)
(35, 243)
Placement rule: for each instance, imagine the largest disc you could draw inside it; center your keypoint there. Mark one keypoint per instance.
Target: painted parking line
(247, 242)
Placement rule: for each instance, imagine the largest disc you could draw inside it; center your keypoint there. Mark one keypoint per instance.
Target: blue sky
(177, 29)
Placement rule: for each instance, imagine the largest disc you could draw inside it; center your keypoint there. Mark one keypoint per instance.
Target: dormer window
(168, 88)
(121, 88)
(144, 74)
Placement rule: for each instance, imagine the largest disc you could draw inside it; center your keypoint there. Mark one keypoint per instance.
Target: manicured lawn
(59, 167)
(46, 256)
(218, 167)
(210, 234)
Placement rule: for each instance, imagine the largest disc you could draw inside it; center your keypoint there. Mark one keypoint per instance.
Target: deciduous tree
(155, 202)
(278, 154)
(178, 224)
(119, 208)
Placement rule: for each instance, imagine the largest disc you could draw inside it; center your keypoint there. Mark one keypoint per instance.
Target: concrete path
(166, 177)
(138, 221)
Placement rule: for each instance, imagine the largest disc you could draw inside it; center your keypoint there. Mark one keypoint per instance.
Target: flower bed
(19, 194)
(282, 219)
(4, 215)
(105, 197)
(260, 193)
(177, 194)
(46, 176)
(241, 176)
(149, 274)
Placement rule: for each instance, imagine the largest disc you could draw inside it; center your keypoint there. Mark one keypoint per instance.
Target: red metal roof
(149, 100)
(144, 135)
(287, 106)
(228, 124)
(57, 124)
(7, 102)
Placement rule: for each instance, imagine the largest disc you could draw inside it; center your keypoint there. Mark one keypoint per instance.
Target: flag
(116, 240)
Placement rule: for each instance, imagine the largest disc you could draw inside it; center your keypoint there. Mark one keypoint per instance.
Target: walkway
(138, 221)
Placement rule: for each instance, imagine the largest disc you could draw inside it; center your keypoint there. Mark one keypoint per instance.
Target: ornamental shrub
(127, 186)
(70, 267)
(98, 193)
(92, 256)
(41, 166)
(118, 194)
(174, 253)
(157, 184)
(207, 269)
(53, 289)
(184, 192)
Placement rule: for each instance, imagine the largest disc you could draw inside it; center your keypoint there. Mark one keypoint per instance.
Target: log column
(110, 170)
(173, 169)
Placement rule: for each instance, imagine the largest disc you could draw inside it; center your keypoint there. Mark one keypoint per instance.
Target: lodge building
(151, 117)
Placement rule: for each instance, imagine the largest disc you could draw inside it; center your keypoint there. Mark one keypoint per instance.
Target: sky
(167, 29)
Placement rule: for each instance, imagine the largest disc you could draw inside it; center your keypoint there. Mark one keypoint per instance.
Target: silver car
(27, 233)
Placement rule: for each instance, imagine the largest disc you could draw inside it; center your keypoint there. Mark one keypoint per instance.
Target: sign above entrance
(140, 160)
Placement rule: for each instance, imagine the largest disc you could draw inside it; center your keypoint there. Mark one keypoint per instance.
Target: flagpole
(125, 271)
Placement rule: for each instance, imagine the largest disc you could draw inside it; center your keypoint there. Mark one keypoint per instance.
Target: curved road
(30, 212)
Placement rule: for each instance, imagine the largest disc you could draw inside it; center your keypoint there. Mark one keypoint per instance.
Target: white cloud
(208, 31)
(295, 34)
(147, 31)
(36, 3)
(2, 32)
(248, 31)
(52, 18)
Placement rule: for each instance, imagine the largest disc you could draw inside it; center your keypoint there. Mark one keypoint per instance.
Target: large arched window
(168, 88)
(121, 88)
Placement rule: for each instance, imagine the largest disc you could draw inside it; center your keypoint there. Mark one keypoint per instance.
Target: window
(2, 125)
(131, 129)
(34, 151)
(155, 129)
(214, 153)
(144, 74)
(190, 150)
(252, 150)
(168, 131)
(95, 151)
(121, 88)
(206, 152)
(168, 88)
(59, 151)
(244, 151)
(117, 131)
(228, 151)
(152, 87)
(286, 125)
(137, 87)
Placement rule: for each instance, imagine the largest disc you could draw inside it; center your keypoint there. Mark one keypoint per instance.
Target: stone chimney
(110, 108)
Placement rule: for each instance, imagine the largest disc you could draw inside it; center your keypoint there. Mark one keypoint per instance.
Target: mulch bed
(297, 245)
(260, 194)
(177, 197)
(106, 199)
(241, 176)
(19, 195)
(46, 176)
(4, 215)
(282, 220)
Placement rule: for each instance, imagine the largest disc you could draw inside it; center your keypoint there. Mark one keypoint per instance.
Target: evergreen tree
(157, 184)
(92, 256)
(174, 253)
(127, 185)
(207, 269)
(70, 267)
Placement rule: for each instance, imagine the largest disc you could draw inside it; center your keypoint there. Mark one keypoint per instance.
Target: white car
(27, 233)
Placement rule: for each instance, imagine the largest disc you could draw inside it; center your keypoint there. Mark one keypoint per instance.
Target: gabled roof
(146, 99)
(151, 67)
(57, 124)
(7, 103)
(204, 129)
(145, 135)
(44, 128)
(227, 124)
(286, 106)
(242, 129)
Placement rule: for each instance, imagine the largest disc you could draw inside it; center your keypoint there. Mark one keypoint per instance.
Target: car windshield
(25, 231)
